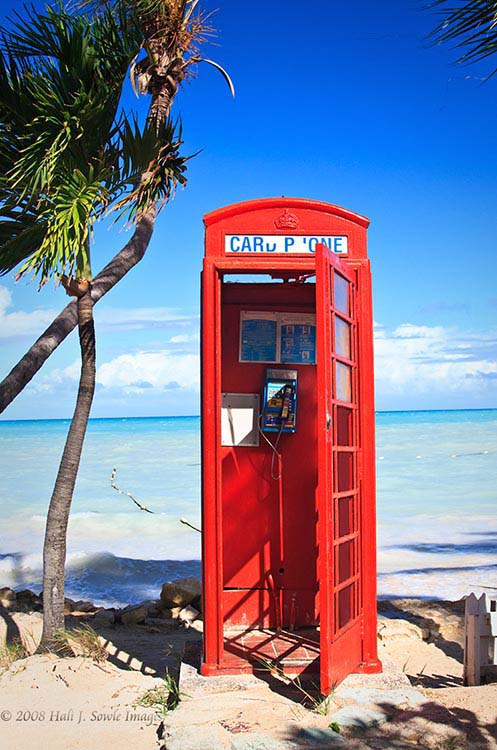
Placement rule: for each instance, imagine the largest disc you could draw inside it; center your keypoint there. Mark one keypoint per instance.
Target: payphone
(280, 401)
(288, 491)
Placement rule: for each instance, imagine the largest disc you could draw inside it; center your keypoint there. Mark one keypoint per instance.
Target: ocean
(436, 504)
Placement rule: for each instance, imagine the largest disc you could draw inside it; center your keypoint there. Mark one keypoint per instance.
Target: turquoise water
(437, 501)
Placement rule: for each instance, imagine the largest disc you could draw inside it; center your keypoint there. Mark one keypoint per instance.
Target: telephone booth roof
(283, 229)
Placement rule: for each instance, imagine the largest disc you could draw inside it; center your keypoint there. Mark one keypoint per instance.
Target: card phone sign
(280, 401)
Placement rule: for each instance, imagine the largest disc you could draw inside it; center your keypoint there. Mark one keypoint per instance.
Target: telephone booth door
(338, 492)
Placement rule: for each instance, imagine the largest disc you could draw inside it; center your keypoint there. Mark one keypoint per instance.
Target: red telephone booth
(288, 483)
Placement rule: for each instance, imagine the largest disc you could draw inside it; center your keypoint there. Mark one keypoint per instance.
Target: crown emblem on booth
(286, 220)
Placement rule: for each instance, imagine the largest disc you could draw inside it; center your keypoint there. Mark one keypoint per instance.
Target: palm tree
(471, 24)
(170, 33)
(68, 155)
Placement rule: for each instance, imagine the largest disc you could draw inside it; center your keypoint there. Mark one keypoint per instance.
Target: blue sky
(340, 101)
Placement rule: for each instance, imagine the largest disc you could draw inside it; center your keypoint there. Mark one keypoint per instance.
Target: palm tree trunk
(61, 327)
(54, 550)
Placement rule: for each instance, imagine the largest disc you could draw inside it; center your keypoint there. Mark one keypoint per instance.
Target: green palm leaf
(471, 25)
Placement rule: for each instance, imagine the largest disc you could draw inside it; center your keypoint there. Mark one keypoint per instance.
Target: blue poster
(298, 343)
(258, 339)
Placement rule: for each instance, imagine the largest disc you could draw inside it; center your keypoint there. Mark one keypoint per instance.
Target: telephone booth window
(343, 382)
(341, 294)
(342, 337)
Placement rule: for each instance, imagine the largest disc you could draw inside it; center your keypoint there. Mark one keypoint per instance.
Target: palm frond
(69, 219)
(21, 233)
(471, 25)
(151, 167)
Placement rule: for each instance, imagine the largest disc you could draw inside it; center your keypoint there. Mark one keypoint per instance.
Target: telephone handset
(279, 412)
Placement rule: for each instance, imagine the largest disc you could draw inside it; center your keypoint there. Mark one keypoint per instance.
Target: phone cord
(274, 448)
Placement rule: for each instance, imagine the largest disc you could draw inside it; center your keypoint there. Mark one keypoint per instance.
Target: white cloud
(143, 372)
(22, 323)
(136, 318)
(432, 359)
(185, 338)
(145, 369)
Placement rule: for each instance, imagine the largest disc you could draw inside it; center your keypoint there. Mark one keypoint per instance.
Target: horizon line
(197, 416)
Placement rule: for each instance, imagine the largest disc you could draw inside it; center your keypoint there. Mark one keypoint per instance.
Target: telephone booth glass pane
(344, 472)
(345, 516)
(344, 425)
(343, 382)
(346, 561)
(342, 338)
(346, 609)
(341, 294)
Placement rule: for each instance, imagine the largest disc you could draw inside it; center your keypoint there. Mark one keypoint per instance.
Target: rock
(374, 697)
(161, 622)
(197, 603)
(68, 606)
(188, 615)
(358, 717)
(320, 738)
(181, 592)
(175, 612)
(104, 617)
(25, 595)
(153, 607)
(82, 606)
(26, 601)
(197, 625)
(393, 628)
(7, 597)
(134, 614)
(265, 741)
(199, 738)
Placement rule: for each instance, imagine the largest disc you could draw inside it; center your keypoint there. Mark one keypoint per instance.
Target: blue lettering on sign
(337, 245)
(289, 241)
(313, 241)
(270, 248)
(233, 247)
(258, 244)
(246, 244)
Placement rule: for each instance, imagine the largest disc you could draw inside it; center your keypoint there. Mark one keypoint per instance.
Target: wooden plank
(472, 664)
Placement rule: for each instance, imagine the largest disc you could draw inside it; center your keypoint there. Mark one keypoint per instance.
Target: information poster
(288, 338)
(259, 336)
(298, 339)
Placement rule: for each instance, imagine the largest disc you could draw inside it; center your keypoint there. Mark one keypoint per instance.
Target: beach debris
(474, 453)
(181, 592)
(127, 494)
(480, 630)
(190, 525)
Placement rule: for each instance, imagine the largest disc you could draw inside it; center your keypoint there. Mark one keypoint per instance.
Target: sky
(340, 101)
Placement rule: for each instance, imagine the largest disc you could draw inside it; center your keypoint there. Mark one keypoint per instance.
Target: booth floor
(293, 652)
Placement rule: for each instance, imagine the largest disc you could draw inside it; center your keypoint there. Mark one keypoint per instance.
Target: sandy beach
(104, 697)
